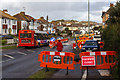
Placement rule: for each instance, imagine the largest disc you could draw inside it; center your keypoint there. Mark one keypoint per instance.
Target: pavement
(7, 45)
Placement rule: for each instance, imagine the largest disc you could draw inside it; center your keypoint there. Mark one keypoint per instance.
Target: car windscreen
(24, 35)
(90, 43)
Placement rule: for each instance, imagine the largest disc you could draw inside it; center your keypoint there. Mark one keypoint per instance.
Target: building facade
(8, 23)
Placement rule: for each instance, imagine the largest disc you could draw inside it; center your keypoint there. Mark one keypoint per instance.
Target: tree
(111, 34)
(66, 29)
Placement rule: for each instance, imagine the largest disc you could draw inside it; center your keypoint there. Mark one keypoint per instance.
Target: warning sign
(88, 60)
(57, 58)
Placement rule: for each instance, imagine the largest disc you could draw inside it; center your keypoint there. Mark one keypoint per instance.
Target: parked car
(7, 37)
(90, 46)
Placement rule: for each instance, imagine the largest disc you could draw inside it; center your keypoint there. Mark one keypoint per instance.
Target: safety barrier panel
(52, 44)
(98, 60)
(64, 40)
(74, 45)
(101, 44)
(80, 44)
(60, 60)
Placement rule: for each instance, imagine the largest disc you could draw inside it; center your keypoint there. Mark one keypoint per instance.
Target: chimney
(41, 17)
(111, 5)
(5, 10)
(47, 18)
(23, 13)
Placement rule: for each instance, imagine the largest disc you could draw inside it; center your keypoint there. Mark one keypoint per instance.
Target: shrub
(4, 42)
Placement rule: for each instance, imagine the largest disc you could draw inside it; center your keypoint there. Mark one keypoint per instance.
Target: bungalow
(8, 23)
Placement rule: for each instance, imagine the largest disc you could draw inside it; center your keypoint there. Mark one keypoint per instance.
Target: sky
(58, 9)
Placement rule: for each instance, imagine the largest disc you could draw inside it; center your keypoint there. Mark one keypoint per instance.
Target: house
(105, 16)
(24, 21)
(44, 24)
(8, 23)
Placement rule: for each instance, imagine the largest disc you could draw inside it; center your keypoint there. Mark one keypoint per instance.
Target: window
(90, 43)
(14, 30)
(14, 21)
(22, 35)
(9, 21)
(5, 30)
(5, 21)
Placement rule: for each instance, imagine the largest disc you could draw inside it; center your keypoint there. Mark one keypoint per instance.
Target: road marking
(5, 60)
(11, 52)
(21, 53)
(104, 72)
(30, 50)
(9, 56)
(84, 75)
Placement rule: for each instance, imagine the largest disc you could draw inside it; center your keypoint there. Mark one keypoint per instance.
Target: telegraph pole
(47, 22)
(88, 17)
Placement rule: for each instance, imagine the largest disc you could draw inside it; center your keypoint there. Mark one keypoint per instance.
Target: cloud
(57, 10)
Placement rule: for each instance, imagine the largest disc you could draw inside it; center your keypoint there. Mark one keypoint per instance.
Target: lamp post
(88, 16)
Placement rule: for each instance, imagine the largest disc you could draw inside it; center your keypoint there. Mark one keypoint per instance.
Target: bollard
(110, 70)
(67, 71)
(46, 69)
(87, 71)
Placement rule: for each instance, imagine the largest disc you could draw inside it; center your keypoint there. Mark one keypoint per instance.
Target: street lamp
(88, 16)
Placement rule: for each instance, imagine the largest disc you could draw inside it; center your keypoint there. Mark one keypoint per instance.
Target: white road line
(11, 52)
(84, 75)
(104, 72)
(9, 56)
(30, 50)
(0, 61)
(5, 60)
(21, 53)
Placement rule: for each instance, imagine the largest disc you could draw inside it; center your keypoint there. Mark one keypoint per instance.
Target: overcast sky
(58, 9)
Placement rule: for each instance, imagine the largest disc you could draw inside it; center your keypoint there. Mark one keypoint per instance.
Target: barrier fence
(98, 60)
(87, 60)
(52, 44)
(60, 60)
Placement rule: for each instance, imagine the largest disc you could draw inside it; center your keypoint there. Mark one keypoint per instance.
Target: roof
(6, 15)
(43, 20)
(23, 16)
(97, 28)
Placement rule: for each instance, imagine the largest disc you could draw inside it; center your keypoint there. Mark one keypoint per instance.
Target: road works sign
(88, 60)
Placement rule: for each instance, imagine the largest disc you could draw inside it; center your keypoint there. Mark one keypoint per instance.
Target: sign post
(88, 61)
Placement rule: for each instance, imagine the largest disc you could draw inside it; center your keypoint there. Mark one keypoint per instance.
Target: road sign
(57, 58)
(88, 60)
(52, 39)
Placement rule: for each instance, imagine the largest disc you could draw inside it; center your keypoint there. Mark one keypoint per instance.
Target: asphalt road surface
(22, 62)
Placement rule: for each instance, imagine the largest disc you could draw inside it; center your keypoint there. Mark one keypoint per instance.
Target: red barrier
(74, 45)
(61, 60)
(101, 44)
(64, 40)
(103, 59)
(52, 44)
(80, 44)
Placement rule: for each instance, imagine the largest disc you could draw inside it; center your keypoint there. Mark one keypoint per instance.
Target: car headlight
(83, 48)
(94, 48)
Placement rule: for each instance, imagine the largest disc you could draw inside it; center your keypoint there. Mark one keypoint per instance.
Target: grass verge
(42, 74)
(9, 47)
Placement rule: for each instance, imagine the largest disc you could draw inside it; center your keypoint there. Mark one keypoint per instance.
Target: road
(21, 63)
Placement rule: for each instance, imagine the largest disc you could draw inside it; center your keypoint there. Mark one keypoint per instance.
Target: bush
(4, 42)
